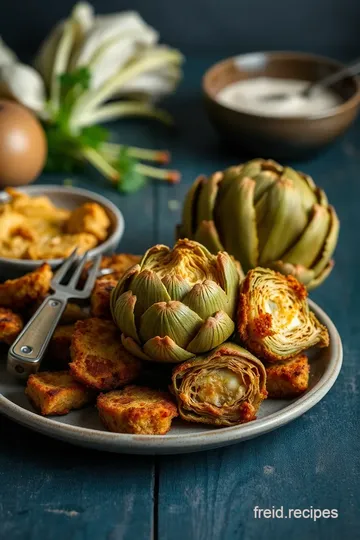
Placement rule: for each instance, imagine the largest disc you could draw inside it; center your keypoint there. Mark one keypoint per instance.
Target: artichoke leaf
(207, 235)
(304, 184)
(207, 197)
(164, 349)
(230, 273)
(281, 220)
(173, 319)
(123, 285)
(306, 250)
(189, 216)
(133, 348)
(304, 275)
(320, 278)
(237, 222)
(149, 289)
(329, 245)
(124, 315)
(207, 298)
(214, 331)
(176, 286)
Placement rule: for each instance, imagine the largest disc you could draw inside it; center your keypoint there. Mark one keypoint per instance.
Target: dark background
(208, 26)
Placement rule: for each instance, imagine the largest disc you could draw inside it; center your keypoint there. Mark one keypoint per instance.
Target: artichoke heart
(274, 319)
(264, 214)
(225, 388)
(177, 302)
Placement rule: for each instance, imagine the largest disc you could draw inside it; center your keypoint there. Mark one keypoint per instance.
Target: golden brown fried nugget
(59, 346)
(60, 246)
(100, 298)
(21, 292)
(288, 379)
(11, 325)
(98, 358)
(90, 218)
(119, 263)
(137, 409)
(56, 392)
(73, 313)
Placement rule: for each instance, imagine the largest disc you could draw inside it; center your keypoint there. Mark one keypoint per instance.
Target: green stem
(112, 111)
(60, 63)
(112, 150)
(161, 174)
(100, 163)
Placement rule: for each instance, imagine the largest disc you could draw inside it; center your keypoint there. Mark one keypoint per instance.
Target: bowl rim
(70, 190)
(350, 103)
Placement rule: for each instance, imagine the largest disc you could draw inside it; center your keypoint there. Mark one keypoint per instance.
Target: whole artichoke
(264, 215)
(177, 302)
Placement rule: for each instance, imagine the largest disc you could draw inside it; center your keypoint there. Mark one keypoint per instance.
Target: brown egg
(23, 145)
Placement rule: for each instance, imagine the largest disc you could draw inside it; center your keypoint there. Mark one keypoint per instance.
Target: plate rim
(214, 437)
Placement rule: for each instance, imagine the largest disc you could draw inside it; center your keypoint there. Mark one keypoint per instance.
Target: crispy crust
(288, 379)
(119, 262)
(98, 358)
(31, 288)
(138, 410)
(73, 313)
(89, 218)
(56, 393)
(100, 298)
(59, 347)
(254, 331)
(11, 325)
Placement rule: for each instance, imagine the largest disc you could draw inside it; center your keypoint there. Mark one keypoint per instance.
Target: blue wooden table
(53, 491)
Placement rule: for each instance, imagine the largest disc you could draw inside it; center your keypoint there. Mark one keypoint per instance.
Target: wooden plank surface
(53, 491)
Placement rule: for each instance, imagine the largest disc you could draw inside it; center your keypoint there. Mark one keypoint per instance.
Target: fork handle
(27, 351)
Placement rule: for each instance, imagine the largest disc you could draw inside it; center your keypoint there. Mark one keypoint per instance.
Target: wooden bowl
(275, 137)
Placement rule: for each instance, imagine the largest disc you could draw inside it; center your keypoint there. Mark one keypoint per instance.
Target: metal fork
(26, 353)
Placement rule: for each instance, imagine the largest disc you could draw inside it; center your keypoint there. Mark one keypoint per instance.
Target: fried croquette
(61, 246)
(138, 410)
(119, 263)
(11, 325)
(56, 392)
(73, 313)
(90, 218)
(98, 358)
(31, 288)
(100, 298)
(288, 379)
(59, 346)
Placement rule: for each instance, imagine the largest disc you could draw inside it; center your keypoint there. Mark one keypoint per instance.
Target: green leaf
(79, 77)
(93, 136)
(130, 179)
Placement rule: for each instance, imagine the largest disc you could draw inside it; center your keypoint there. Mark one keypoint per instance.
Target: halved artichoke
(274, 319)
(177, 302)
(225, 388)
(266, 215)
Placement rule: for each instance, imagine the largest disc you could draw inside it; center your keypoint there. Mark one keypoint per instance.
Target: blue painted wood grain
(51, 490)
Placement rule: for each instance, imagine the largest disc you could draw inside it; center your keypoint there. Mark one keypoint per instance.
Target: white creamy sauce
(248, 96)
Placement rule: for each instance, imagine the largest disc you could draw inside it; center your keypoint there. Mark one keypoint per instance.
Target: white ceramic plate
(83, 427)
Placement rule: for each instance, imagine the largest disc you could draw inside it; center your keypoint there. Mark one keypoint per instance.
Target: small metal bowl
(275, 137)
(68, 198)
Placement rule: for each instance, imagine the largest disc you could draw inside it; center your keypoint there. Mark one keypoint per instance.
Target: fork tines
(71, 286)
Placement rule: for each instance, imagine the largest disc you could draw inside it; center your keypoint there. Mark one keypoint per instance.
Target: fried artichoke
(176, 303)
(274, 319)
(224, 388)
(264, 215)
